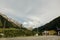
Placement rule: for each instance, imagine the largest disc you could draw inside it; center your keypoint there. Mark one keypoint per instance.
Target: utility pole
(37, 32)
(57, 31)
(4, 24)
(4, 28)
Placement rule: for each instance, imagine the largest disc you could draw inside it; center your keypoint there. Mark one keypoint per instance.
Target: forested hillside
(53, 25)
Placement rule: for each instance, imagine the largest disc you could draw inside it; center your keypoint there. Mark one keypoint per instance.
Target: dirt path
(34, 38)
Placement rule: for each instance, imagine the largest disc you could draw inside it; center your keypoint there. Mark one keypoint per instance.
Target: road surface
(34, 38)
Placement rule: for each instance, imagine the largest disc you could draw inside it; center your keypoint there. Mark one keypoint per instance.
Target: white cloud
(38, 12)
(32, 21)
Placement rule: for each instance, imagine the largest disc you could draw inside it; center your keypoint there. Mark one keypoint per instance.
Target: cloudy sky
(31, 12)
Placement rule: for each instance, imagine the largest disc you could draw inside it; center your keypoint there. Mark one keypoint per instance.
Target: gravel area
(34, 38)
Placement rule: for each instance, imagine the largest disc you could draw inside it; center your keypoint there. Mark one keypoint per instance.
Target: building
(58, 29)
(49, 32)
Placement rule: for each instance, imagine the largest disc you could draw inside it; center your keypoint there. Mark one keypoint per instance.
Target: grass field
(34, 38)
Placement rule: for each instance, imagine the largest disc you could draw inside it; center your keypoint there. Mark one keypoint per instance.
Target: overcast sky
(31, 12)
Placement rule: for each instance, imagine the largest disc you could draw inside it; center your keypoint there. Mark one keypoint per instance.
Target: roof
(58, 29)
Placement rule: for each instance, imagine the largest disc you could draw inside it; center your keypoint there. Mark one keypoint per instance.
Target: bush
(13, 32)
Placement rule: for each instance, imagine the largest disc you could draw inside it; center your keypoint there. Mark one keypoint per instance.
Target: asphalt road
(34, 38)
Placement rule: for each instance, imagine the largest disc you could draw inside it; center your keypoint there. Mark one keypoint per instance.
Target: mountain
(8, 22)
(52, 25)
(11, 28)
